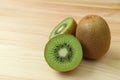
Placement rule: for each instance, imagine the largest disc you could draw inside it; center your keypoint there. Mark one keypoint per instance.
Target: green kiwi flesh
(67, 26)
(63, 53)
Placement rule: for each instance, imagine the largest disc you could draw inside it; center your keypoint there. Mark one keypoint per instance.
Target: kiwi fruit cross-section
(63, 53)
(94, 34)
(67, 26)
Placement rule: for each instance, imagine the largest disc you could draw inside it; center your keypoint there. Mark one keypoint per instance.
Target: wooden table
(25, 26)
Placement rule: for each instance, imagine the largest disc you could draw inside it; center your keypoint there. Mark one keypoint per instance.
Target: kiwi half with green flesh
(67, 26)
(94, 34)
(63, 53)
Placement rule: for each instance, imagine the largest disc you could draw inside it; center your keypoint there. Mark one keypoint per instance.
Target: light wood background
(24, 29)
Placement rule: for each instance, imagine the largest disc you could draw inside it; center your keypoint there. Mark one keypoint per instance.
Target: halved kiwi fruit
(63, 53)
(67, 26)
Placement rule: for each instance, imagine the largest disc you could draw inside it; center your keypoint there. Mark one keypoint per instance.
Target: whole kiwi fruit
(94, 34)
(66, 26)
(63, 53)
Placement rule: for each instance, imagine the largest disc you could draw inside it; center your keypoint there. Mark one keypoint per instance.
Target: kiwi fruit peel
(63, 53)
(94, 34)
(67, 26)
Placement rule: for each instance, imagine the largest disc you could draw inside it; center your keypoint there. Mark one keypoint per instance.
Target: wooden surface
(24, 29)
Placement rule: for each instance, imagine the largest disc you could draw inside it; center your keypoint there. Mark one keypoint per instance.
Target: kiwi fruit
(67, 26)
(63, 53)
(94, 34)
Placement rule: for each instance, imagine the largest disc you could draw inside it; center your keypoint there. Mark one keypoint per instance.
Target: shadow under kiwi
(112, 58)
(85, 68)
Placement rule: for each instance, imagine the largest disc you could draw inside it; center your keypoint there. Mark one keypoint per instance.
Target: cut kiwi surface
(67, 26)
(63, 53)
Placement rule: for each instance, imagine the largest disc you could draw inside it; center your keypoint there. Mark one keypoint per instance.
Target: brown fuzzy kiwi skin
(72, 29)
(94, 34)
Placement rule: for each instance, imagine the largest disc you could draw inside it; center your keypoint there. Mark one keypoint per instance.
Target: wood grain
(25, 26)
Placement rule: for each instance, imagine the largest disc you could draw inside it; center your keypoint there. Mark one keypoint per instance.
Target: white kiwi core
(63, 52)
